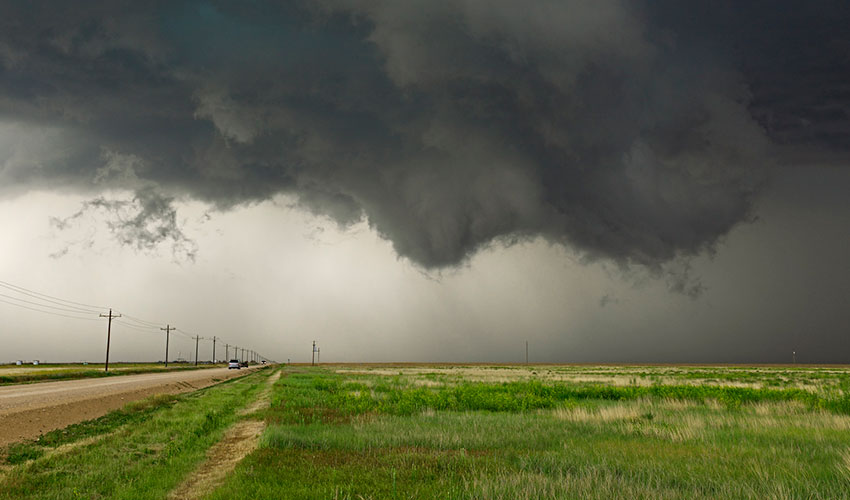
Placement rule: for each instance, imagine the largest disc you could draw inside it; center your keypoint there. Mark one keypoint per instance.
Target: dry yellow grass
(677, 421)
(608, 375)
(601, 414)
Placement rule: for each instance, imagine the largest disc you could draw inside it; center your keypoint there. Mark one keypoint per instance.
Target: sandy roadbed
(26, 411)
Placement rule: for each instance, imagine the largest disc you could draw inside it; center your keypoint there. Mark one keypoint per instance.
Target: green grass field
(13, 374)
(478, 432)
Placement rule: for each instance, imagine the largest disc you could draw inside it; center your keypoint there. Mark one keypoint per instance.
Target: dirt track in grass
(240, 440)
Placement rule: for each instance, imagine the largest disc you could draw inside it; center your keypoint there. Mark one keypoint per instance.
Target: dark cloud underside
(638, 132)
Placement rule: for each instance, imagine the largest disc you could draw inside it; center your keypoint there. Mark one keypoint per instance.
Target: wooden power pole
(108, 335)
(197, 338)
(167, 330)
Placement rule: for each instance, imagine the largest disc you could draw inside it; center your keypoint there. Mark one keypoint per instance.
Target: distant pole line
(108, 336)
(313, 359)
(32, 300)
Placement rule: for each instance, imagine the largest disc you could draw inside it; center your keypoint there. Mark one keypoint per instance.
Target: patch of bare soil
(239, 440)
(28, 421)
(263, 399)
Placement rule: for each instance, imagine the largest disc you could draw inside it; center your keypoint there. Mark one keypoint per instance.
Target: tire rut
(238, 441)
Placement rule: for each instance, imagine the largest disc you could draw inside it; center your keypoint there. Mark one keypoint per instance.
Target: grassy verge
(131, 413)
(140, 452)
(89, 371)
(410, 436)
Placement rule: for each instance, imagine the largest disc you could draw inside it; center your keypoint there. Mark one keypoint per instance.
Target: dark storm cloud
(634, 132)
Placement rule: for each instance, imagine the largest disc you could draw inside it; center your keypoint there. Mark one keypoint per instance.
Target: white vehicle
(233, 363)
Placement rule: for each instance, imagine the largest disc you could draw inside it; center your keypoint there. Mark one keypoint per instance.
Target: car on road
(233, 363)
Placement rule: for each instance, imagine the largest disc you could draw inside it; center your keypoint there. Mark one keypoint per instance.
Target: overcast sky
(437, 180)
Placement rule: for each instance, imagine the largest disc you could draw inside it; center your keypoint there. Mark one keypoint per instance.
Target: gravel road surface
(28, 410)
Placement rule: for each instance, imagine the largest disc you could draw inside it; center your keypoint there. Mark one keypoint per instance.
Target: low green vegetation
(427, 433)
(12, 374)
(472, 433)
(140, 452)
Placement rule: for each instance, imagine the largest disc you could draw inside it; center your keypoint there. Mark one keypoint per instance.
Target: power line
(46, 312)
(74, 310)
(152, 324)
(77, 310)
(185, 333)
(134, 327)
(27, 291)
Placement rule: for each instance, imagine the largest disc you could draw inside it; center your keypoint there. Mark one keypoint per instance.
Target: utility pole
(213, 339)
(226, 357)
(167, 330)
(794, 357)
(313, 359)
(197, 338)
(318, 355)
(526, 352)
(108, 335)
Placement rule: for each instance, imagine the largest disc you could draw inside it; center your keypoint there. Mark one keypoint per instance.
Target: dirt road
(26, 411)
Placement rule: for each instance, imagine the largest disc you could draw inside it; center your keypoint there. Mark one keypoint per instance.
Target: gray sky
(429, 181)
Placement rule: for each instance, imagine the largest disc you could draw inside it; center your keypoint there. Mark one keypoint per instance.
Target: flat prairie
(470, 432)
